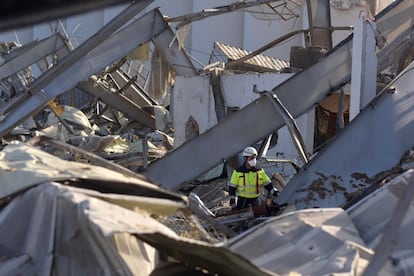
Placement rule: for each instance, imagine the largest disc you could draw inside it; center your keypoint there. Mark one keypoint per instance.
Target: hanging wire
(282, 10)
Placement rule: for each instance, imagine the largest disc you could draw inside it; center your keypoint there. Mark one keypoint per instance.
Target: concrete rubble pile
(96, 126)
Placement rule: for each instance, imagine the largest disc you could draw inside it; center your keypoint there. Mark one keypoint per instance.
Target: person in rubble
(247, 181)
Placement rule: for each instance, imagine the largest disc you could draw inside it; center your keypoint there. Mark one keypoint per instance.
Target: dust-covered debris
(360, 183)
(325, 185)
(214, 194)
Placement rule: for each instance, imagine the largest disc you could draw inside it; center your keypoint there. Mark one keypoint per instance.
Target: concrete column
(364, 65)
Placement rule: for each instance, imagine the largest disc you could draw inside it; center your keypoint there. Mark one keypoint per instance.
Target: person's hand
(233, 203)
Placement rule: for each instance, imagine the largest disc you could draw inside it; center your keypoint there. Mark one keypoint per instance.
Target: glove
(233, 203)
(273, 193)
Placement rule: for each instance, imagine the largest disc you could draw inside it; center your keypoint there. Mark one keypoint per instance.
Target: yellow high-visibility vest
(248, 184)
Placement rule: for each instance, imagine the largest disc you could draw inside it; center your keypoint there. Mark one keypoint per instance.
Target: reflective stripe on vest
(248, 192)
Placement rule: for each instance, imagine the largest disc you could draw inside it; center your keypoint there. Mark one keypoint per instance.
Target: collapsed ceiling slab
(298, 94)
(59, 226)
(373, 237)
(50, 201)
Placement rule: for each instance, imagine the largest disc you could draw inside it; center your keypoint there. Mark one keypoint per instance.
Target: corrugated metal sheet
(306, 242)
(225, 53)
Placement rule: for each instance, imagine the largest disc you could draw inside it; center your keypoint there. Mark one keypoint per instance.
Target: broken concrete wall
(192, 96)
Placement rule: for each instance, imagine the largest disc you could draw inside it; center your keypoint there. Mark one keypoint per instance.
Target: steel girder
(23, 57)
(132, 92)
(119, 101)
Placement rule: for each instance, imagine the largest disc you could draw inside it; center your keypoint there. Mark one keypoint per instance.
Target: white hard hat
(249, 151)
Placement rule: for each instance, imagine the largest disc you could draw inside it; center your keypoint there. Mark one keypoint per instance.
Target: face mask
(252, 162)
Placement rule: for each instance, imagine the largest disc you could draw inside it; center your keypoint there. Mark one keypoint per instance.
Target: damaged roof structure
(96, 179)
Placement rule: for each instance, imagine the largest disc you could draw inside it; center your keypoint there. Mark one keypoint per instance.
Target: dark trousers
(243, 202)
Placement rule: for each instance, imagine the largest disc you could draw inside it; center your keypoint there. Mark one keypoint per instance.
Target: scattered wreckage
(95, 189)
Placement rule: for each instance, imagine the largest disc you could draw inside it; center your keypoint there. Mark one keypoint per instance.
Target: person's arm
(271, 191)
(233, 190)
(232, 195)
